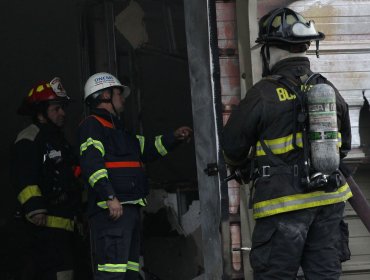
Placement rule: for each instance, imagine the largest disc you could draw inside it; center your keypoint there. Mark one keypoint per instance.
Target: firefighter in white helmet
(298, 212)
(112, 165)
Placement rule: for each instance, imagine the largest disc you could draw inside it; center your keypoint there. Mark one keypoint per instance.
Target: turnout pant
(116, 244)
(50, 255)
(315, 239)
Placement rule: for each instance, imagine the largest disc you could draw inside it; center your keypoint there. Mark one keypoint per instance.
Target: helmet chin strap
(265, 53)
(110, 100)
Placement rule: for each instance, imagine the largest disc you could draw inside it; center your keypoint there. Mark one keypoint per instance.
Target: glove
(241, 174)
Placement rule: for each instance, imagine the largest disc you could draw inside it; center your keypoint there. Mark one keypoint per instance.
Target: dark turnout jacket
(43, 175)
(267, 114)
(112, 160)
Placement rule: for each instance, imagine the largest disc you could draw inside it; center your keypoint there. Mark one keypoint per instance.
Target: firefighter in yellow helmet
(298, 208)
(112, 164)
(46, 188)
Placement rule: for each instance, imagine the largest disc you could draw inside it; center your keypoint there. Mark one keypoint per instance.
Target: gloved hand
(183, 133)
(39, 219)
(240, 173)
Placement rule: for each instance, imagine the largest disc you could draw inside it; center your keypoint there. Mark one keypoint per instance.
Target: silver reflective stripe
(280, 145)
(285, 144)
(300, 201)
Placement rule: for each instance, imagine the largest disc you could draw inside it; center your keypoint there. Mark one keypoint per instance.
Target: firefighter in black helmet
(298, 220)
(46, 188)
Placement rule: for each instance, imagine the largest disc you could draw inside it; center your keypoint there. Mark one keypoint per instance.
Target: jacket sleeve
(92, 162)
(25, 175)
(160, 146)
(344, 124)
(241, 131)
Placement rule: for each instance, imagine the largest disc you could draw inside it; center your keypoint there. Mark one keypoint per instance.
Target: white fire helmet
(102, 80)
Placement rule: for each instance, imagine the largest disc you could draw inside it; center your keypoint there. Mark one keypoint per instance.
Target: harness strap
(267, 171)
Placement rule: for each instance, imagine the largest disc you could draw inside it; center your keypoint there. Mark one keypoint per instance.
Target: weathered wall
(39, 40)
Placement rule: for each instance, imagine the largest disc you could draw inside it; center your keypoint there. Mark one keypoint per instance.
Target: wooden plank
(333, 20)
(360, 246)
(349, 80)
(353, 97)
(346, 38)
(357, 263)
(357, 228)
(356, 276)
(344, 28)
(350, 46)
(329, 8)
(355, 62)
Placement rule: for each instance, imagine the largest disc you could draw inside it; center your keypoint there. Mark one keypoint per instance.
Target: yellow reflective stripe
(28, 192)
(132, 266)
(59, 222)
(110, 267)
(142, 142)
(97, 175)
(300, 201)
(279, 145)
(283, 145)
(159, 145)
(141, 202)
(339, 139)
(97, 144)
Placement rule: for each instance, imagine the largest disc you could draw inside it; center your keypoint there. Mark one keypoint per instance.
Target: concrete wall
(39, 40)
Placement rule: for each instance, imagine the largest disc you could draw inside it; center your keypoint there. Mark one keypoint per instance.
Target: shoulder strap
(294, 88)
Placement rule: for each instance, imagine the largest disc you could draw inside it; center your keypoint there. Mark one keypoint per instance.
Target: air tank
(323, 128)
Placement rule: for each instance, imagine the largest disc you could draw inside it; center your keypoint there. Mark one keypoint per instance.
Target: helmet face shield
(288, 27)
(300, 29)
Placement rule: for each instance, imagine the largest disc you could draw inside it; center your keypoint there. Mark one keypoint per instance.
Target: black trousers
(315, 239)
(50, 253)
(116, 244)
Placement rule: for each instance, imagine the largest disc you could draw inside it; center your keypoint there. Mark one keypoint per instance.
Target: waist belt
(267, 171)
